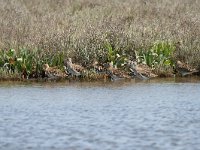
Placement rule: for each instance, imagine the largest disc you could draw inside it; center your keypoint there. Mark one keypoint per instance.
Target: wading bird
(53, 72)
(140, 71)
(73, 69)
(184, 69)
(99, 68)
(115, 73)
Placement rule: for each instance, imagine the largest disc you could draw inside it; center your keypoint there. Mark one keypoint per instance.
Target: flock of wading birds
(108, 71)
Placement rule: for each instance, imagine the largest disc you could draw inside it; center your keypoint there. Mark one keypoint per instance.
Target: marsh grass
(48, 31)
(5, 75)
(160, 55)
(28, 63)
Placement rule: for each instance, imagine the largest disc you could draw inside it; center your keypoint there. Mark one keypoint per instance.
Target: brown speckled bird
(73, 69)
(115, 73)
(184, 69)
(99, 68)
(53, 72)
(141, 71)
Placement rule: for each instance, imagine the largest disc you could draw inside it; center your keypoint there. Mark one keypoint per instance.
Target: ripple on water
(135, 116)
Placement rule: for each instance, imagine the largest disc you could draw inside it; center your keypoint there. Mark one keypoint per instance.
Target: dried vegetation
(83, 29)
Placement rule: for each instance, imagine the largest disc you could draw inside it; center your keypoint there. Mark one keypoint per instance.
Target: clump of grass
(25, 63)
(48, 31)
(5, 75)
(81, 28)
(160, 57)
(116, 57)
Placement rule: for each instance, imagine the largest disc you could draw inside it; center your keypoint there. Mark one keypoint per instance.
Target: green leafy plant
(8, 59)
(114, 56)
(25, 61)
(160, 55)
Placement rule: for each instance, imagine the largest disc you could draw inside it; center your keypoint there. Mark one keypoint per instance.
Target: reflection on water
(156, 114)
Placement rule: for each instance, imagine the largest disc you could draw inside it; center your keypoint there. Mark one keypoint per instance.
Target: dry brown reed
(81, 28)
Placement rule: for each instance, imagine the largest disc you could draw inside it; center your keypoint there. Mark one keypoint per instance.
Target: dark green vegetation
(156, 33)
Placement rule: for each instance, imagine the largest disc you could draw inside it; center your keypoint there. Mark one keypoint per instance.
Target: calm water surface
(102, 116)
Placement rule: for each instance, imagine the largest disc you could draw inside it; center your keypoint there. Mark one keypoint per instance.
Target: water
(121, 115)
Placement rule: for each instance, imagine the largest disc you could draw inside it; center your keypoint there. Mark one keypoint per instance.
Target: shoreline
(46, 80)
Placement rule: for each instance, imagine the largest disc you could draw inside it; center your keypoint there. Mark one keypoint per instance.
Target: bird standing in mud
(140, 71)
(115, 73)
(53, 72)
(184, 69)
(99, 68)
(73, 69)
